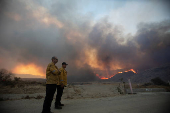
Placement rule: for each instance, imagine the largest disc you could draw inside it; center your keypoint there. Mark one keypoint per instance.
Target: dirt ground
(90, 90)
(137, 103)
(84, 98)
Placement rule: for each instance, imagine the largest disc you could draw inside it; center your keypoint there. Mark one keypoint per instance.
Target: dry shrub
(27, 97)
(4, 99)
(39, 97)
(7, 78)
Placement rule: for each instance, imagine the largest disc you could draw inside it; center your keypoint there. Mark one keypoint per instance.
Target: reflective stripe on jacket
(52, 74)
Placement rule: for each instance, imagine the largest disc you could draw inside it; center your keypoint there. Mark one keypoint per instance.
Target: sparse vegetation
(11, 84)
(6, 77)
(1, 99)
(17, 79)
(29, 97)
(147, 84)
(4, 99)
(39, 97)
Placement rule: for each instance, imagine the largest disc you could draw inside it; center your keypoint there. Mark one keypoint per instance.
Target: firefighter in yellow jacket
(52, 79)
(62, 84)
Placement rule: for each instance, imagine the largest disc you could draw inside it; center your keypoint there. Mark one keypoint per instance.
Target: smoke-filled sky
(93, 36)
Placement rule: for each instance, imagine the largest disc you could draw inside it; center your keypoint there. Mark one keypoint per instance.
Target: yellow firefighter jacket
(52, 74)
(63, 76)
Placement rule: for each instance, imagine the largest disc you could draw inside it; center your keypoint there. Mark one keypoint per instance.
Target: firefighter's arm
(54, 70)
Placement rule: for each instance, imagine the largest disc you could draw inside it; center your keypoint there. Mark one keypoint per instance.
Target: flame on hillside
(102, 77)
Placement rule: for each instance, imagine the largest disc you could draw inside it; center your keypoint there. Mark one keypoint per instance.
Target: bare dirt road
(138, 103)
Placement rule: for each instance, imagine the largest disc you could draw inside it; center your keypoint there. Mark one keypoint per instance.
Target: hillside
(162, 72)
(124, 76)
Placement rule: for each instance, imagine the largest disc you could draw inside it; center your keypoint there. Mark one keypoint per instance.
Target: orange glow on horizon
(31, 69)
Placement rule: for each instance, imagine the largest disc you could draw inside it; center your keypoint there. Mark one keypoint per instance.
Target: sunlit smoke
(29, 69)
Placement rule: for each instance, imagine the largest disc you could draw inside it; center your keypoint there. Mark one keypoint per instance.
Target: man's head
(54, 59)
(64, 64)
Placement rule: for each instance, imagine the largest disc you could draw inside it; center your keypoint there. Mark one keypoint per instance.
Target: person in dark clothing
(59, 95)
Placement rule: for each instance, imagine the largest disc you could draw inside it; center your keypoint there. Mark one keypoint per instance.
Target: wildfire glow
(28, 69)
(102, 77)
(132, 70)
(129, 70)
